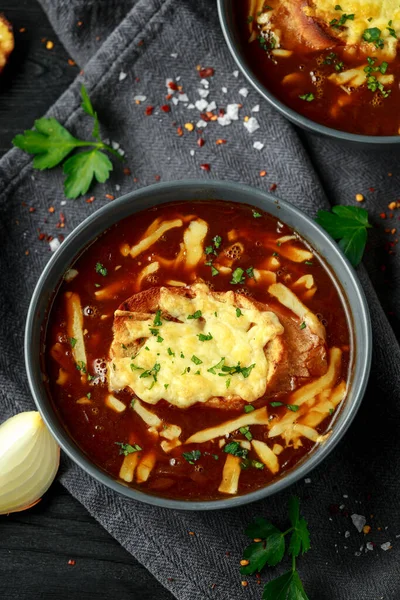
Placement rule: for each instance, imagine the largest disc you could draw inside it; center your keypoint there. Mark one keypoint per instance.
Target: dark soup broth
(197, 350)
(336, 64)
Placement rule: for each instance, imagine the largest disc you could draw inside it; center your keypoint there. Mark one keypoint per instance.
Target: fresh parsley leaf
(192, 456)
(195, 315)
(101, 269)
(217, 366)
(196, 360)
(151, 372)
(88, 108)
(170, 352)
(373, 36)
(268, 552)
(82, 168)
(286, 587)
(126, 449)
(300, 539)
(50, 143)
(237, 276)
(349, 225)
(204, 338)
(72, 341)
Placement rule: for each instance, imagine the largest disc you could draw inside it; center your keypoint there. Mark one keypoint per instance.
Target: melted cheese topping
(367, 15)
(174, 364)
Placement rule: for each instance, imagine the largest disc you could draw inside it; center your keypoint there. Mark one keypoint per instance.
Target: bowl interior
(349, 288)
(235, 45)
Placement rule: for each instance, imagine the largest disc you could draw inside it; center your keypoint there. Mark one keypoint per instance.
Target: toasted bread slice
(290, 352)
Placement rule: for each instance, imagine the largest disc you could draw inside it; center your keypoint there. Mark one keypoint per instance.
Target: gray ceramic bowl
(232, 38)
(94, 225)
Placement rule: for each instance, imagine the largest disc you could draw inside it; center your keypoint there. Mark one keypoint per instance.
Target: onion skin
(29, 460)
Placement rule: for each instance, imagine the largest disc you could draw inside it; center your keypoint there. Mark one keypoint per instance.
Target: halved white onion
(29, 459)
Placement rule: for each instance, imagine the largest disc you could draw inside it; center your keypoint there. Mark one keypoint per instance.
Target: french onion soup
(197, 350)
(336, 64)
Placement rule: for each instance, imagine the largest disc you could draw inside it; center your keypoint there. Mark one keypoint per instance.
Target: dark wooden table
(36, 546)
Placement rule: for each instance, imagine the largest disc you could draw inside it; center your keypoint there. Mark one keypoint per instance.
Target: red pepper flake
(169, 96)
(273, 187)
(173, 86)
(201, 142)
(26, 252)
(383, 215)
(170, 579)
(32, 209)
(51, 209)
(220, 141)
(22, 29)
(205, 117)
(80, 23)
(205, 167)
(141, 43)
(90, 200)
(213, 586)
(165, 108)
(221, 112)
(156, 177)
(149, 110)
(71, 562)
(135, 180)
(61, 222)
(126, 171)
(206, 72)
(110, 197)
(263, 173)
(71, 62)
(179, 131)
(41, 236)
(371, 189)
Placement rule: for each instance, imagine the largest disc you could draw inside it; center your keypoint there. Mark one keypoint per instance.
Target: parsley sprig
(51, 143)
(348, 225)
(269, 549)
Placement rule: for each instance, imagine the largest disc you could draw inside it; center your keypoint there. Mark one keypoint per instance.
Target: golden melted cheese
(180, 378)
(367, 15)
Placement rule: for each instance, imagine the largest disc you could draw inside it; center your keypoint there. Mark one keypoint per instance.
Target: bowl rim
(211, 189)
(289, 113)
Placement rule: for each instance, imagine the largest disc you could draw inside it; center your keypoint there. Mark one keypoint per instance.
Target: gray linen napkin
(149, 41)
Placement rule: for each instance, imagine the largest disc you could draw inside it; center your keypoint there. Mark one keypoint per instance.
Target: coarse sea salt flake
(174, 54)
(175, 101)
(168, 81)
(201, 124)
(178, 78)
(347, 534)
(244, 92)
(224, 120)
(258, 145)
(190, 106)
(122, 76)
(235, 73)
(139, 98)
(256, 108)
(307, 480)
(121, 152)
(369, 546)
(192, 153)
(211, 106)
(203, 93)
(201, 105)
(232, 110)
(224, 90)
(54, 244)
(205, 82)
(183, 98)
(386, 546)
(115, 145)
(358, 521)
(63, 202)
(117, 187)
(251, 125)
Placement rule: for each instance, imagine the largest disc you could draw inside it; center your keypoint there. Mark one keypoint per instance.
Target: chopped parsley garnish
(136, 368)
(373, 83)
(97, 285)
(101, 269)
(157, 319)
(124, 347)
(239, 312)
(303, 325)
(293, 407)
(126, 449)
(154, 331)
(339, 66)
(235, 449)
(349, 225)
(245, 371)
(151, 372)
(373, 36)
(133, 402)
(217, 366)
(204, 338)
(228, 383)
(309, 97)
(88, 395)
(196, 360)
(250, 272)
(170, 352)
(331, 411)
(248, 408)
(256, 214)
(80, 365)
(72, 341)
(338, 7)
(237, 276)
(210, 250)
(246, 432)
(195, 315)
(270, 550)
(391, 30)
(160, 339)
(182, 355)
(214, 271)
(250, 18)
(308, 262)
(276, 404)
(336, 23)
(192, 456)
(166, 385)
(217, 241)
(330, 58)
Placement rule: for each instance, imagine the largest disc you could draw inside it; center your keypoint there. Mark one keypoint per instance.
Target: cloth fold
(143, 43)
